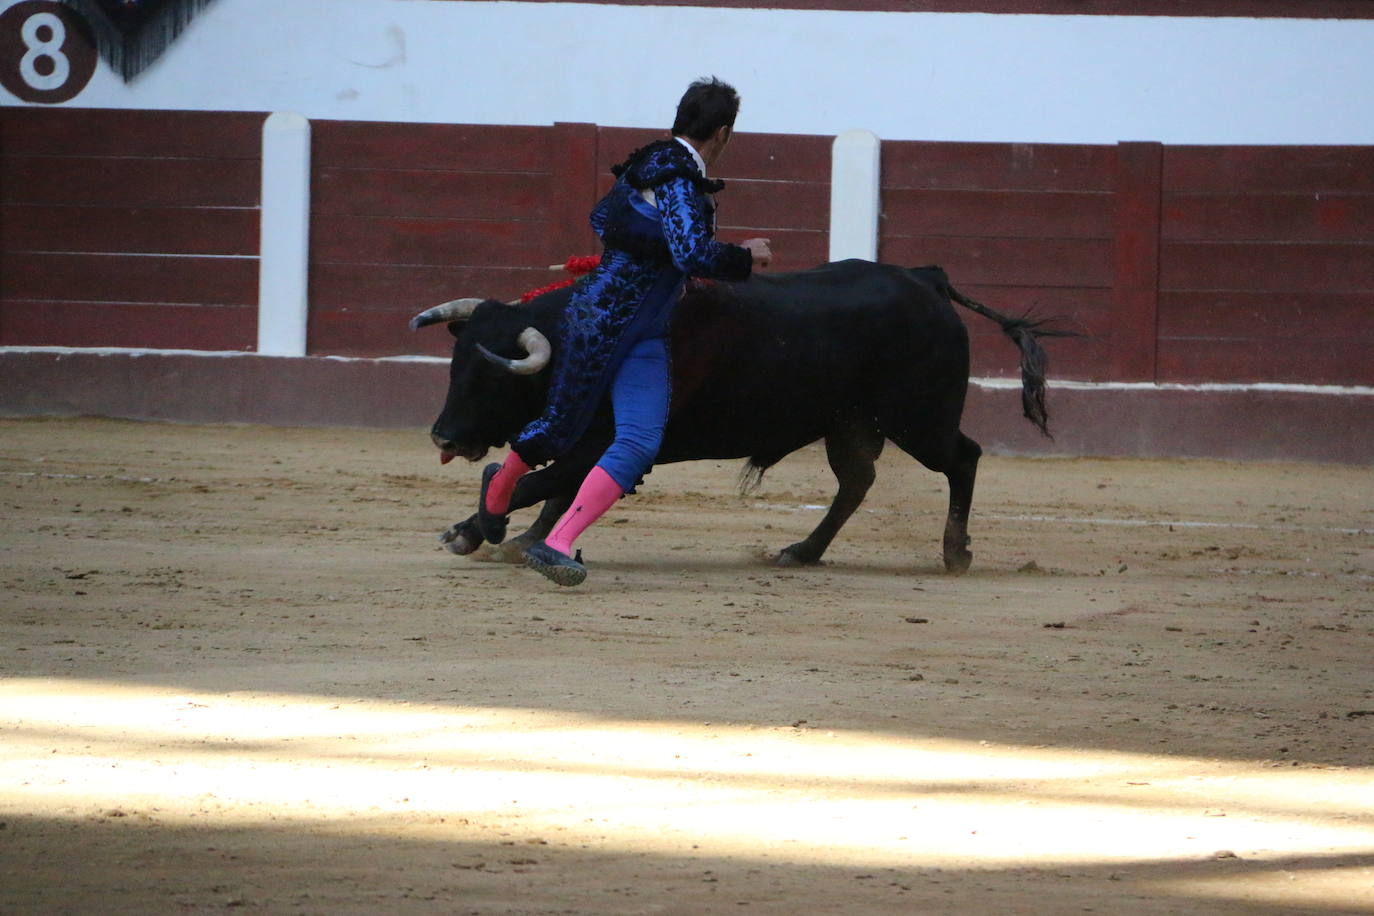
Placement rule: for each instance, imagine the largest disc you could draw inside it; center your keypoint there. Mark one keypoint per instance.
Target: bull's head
(490, 396)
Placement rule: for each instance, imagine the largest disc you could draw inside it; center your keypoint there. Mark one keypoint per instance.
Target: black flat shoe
(561, 568)
(492, 526)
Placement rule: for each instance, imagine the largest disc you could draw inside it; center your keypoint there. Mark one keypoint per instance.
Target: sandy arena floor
(238, 671)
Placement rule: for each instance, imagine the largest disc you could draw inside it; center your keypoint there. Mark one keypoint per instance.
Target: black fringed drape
(131, 34)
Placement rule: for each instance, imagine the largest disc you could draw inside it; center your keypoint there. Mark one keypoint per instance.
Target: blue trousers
(639, 397)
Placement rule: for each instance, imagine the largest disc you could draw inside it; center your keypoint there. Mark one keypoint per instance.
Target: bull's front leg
(554, 485)
(463, 538)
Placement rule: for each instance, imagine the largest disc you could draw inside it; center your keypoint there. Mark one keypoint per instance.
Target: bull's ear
(455, 328)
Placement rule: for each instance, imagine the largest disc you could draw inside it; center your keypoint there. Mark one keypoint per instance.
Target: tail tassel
(1025, 332)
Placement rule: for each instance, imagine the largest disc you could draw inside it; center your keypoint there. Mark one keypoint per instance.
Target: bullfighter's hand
(760, 251)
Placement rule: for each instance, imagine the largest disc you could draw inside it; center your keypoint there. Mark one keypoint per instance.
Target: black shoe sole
(492, 526)
(556, 567)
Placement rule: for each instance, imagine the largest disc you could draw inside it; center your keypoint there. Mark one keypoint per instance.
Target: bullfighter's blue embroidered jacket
(649, 251)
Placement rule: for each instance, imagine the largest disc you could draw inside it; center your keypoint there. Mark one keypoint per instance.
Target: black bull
(853, 352)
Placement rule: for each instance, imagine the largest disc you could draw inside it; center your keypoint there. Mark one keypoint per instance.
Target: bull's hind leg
(961, 475)
(851, 455)
(513, 549)
(957, 458)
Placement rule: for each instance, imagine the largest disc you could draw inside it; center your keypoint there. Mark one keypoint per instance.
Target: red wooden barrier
(128, 228)
(1267, 265)
(1179, 264)
(405, 216)
(1022, 227)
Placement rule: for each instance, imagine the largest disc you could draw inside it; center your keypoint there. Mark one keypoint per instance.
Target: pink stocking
(503, 484)
(598, 492)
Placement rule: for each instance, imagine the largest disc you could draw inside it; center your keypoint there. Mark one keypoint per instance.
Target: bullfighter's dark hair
(708, 105)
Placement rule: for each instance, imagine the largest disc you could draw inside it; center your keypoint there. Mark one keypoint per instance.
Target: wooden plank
(78, 181)
(996, 166)
(992, 355)
(207, 230)
(1271, 267)
(1025, 262)
(1136, 260)
(572, 150)
(776, 157)
(793, 249)
(998, 214)
(1280, 216)
(1084, 309)
(455, 147)
(407, 290)
(757, 156)
(1294, 361)
(1313, 316)
(439, 242)
(94, 132)
(776, 204)
(1295, 169)
(373, 334)
(430, 192)
(130, 278)
(613, 144)
(93, 324)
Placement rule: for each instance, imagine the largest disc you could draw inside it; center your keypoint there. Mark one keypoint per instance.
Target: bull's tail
(1025, 333)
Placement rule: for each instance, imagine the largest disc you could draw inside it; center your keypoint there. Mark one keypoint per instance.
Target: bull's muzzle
(448, 449)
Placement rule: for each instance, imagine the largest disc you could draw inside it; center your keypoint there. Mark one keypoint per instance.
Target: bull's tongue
(446, 457)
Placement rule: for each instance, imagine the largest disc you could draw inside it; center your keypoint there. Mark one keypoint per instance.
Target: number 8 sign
(47, 54)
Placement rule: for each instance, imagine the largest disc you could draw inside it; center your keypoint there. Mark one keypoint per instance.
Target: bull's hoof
(512, 551)
(957, 561)
(461, 539)
(557, 567)
(796, 555)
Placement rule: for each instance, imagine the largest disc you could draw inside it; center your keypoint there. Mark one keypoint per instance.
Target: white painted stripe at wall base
(906, 76)
(284, 262)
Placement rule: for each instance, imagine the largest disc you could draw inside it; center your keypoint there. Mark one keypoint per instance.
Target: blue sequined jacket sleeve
(687, 230)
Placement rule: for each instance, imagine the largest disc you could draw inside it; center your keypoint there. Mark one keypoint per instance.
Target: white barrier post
(855, 170)
(284, 251)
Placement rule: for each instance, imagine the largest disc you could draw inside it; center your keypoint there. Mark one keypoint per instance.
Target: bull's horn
(456, 310)
(535, 344)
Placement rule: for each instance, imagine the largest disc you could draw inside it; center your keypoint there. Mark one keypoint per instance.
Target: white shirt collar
(701, 163)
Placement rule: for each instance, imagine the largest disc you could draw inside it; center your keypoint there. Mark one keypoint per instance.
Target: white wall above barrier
(284, 254)
(905, 75)
(855, 170)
